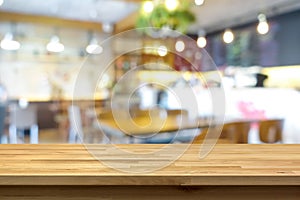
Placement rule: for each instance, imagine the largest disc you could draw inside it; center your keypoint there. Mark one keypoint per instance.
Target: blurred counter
(54, 113)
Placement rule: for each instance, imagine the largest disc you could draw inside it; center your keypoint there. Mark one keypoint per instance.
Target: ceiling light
(162, 51)
(23, 103)
(107, 27)
(148, 7)
(171, 5)
(54, 45)
(228, 36)
(1, 2)
(199, 2)
(8, 42)
(180, 46)
(201, 42)
(93, 14)
(94, 47)
(263, 26)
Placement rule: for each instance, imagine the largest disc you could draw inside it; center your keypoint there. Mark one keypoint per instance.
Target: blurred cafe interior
(133, 71)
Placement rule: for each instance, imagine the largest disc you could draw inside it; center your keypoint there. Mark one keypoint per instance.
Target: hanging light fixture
(228, 36)
(263, 26)
(201, 41)
(107, 27)
(8, 42)
(93, 46)
(199, 2)
(54, 45)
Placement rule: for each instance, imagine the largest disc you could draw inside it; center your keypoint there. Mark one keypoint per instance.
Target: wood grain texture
(225, 165)
(68, 172)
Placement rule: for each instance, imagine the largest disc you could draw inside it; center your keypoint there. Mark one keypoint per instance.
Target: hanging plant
(161, 18)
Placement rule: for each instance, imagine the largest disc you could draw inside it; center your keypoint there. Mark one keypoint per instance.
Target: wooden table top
(147, 125)
(74, 165)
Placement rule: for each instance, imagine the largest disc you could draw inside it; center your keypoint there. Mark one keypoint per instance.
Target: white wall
(32, 72)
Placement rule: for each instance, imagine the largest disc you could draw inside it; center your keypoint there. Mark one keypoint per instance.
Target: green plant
(161, 17)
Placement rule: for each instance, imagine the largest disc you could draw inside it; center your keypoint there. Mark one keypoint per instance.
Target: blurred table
(150, 124)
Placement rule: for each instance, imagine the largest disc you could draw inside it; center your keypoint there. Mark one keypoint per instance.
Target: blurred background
(252, 47)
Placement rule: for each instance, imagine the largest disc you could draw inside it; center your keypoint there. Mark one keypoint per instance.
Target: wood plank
(74, 165)
(70, 172)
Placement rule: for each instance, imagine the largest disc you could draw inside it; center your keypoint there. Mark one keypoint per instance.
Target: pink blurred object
(249, 111)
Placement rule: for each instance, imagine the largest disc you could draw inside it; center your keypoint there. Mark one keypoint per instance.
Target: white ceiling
(84, 10)
(213, 15)
(219, 14)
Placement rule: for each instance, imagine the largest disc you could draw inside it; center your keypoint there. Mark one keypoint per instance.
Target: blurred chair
(200, 138)
(22, 119)
(270, 131)
(78, 133)
(75, 129)
(234, 133)
(2, 121)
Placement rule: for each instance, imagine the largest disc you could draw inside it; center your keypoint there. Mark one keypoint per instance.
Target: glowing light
(162, 51)
(148, 6)
(8, 43)
(228, 36)
(263, 26)
(107, 27)
(1, 2)
(199, 2)
(54, 45)
(94, 47)
(171, 5)
(23, 103)
(179, 46)
(201, 42)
